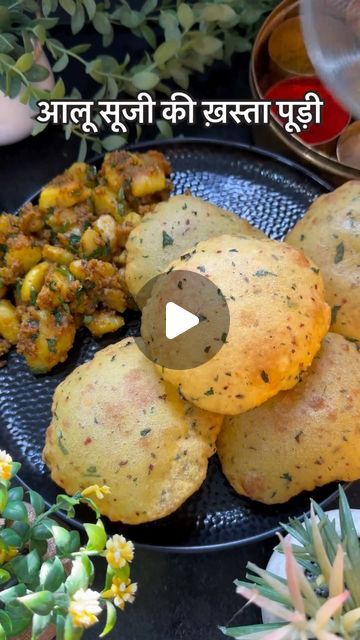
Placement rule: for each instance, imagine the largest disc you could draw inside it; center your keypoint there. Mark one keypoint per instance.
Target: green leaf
(62, 539)
(11, 538)
(218, 13)
(90, 6)
(82, 150)
(102, 23)
(164, 128)
(13, 592)
(149, 6)
(39, 624)
(113, 142)
(41, 602)
(6, 623)
(3, 497)
(52, 574)
(46, 7)
(145, 80)
(37, 502)
(42, 530)
(110, 619)
(165, 51)
(61, 63)
(4, 576)
(25, 62)
(19, 615)
(185, 16)
(16, 493)
(38, 127)
(70, 633)
(74, 544)
(15, 510)
(16, 466)
(60, 627)
(37, 73)
(69, 6)
(207, 45)
(59, 90)
(26, 567)
(78, 578)
(149, 35)
(97, 536)
(237, 632)
(78, 19)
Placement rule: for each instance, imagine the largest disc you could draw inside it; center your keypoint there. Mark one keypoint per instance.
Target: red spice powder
(334, 117)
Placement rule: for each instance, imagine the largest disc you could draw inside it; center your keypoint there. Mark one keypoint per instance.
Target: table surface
(180, 596)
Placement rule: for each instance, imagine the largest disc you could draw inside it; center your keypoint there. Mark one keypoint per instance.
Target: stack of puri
(280, 382)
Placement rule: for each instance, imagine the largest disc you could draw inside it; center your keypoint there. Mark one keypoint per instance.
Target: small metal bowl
(262, 78)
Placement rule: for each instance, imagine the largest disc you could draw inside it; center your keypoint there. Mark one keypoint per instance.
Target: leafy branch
(179, 38)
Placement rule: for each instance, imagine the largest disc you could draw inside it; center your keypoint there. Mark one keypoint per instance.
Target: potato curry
(62, 260)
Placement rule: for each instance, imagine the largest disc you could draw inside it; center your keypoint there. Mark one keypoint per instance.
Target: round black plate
(271, 193)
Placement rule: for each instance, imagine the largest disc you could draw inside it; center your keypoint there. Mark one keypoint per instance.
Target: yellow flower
(122, 592)
(7, 554)
(119, 551)
(5, 465)
(84, 608)
(99, 492)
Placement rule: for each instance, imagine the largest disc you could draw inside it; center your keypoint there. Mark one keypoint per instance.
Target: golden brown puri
(172, 228)
(303, 438)
(330, 234)
(115, 422)
(278, 318)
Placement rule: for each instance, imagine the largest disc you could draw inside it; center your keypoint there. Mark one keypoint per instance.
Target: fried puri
(115, 422)
(172, 228)
(278, 318)
(330, 234)
(303, 438)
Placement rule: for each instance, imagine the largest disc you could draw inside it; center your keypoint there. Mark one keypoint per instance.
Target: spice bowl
(273, 70)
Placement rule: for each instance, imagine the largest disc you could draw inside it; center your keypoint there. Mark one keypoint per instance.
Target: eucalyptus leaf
(37, 73)
(149, 6)
(61, 63)
(78, 19)
(90, 6)
(102, 23)
(110, 143)
(82, 154)
(186, 16)
(25, 62)
(145, 80)
(148, 34)
(69, 6)
(165, 51)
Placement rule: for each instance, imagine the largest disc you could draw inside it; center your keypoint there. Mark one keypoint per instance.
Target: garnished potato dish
(62, 259)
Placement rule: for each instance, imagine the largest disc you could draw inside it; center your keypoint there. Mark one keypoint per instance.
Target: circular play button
(185, 320)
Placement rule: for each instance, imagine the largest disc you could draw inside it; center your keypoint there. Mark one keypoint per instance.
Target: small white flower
(84, 608)
(119, 551)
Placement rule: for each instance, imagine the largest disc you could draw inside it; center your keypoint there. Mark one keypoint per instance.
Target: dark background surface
(180, 596)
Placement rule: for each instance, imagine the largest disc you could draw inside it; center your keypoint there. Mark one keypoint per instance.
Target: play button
(178, 320)
(185, 320)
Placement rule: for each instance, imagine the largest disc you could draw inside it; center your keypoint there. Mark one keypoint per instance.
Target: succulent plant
(319, 598)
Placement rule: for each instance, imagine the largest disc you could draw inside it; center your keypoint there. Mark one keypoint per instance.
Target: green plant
(180, 38)
(320, 596)
(45, 573)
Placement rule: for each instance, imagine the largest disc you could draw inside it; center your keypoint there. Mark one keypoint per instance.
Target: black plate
(273, 194)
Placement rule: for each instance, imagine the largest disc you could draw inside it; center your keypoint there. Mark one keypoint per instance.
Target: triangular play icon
(178, 320)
